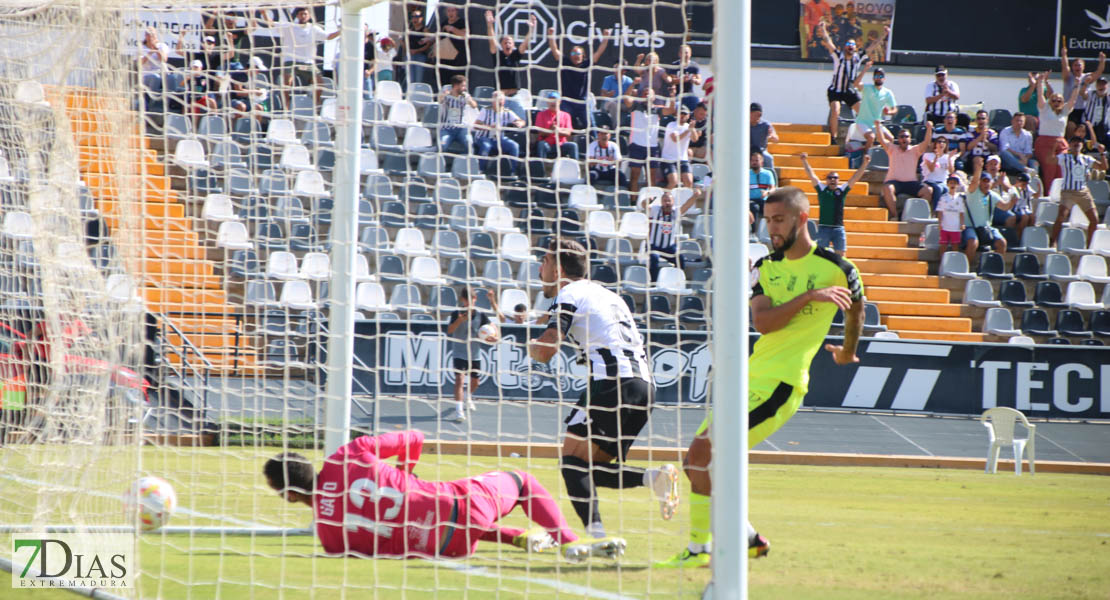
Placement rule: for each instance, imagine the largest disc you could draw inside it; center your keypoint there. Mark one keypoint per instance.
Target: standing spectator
(152, 60)
(877, 103)
(1027, 102)
(936, 166)
(299, 38)
(553, 130)
(603, 157)
(613, 89)
(761, 182)
(574, 76)
(1075, 171)
(452, 50)
(417, 45)
(652, 76)
(1097, 113)
(385, 50)
(1015, 146)
(1053, 123)
(675, 154)
(664, 227)
(901, 176)
(643, 139)
(980, 204)
(699, 148)
(687, 75)
(452, 106)
(507, 61)
(463, 329)
(1074, 76)
(761, 133)
(1021, 203)
(982, 142)
(950, 214)
(847, 64)
(489, 132)
(957, 136)
(940, 99)
(830, 199)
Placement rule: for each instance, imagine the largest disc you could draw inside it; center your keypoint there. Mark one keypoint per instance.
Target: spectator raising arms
(507, 61)
(876, 103)
(643, 139)
(940, 98)
(1050, 140)
(1027, 102)
(830, 199)
(901, 176)
(687, 75)
(847, 64)
(664, 227)
(574, 76)
(1097, 113)
(675, 155)
(1075, 77)
(613, 89)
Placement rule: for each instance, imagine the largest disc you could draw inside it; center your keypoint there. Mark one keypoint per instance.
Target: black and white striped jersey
(600, 324)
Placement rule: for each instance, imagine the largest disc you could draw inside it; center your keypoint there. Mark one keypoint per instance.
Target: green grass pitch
(835, 532)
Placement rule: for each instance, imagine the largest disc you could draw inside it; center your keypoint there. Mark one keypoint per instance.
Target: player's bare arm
(853, 326)
(544, 347)
(767, 318)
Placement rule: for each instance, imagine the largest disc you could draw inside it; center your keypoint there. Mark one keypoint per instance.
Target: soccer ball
(488, 332)
(154, 500)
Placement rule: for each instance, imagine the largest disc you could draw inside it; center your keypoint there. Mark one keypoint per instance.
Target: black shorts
(851, 97)
(474, 367)
(611, 413)
(641, 153)
(306, 73)
(905, 187)
(666, 167)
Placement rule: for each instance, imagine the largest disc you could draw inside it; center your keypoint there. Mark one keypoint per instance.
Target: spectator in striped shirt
(847, 65)
(1097, 112)
(489, 133)
(940, 99)
(603, 157)
(1075, 170)
(452, 105)
(664, 227)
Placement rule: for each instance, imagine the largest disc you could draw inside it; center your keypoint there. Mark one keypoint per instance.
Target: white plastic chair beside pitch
(1000, 423)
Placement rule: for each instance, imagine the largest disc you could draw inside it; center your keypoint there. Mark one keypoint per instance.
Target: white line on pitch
(1045, 437)
(899, 434)
(563, 587)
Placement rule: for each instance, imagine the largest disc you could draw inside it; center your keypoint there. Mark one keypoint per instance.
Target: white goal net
(171, 226)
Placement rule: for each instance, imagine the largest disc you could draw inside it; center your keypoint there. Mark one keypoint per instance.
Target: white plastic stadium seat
(388, 93)
(499, 219)
(370, 296)
(189, 155)
(362, 269)
(999, 322)
(634, 225)
(316, 266)
(1000, 423)
(1022, 340)
(425, 271)
(978, 292)
(297, 295)
(410, 242)
(281, 132)
(233, 236)
(282, 265)
(218, 207)
(295, 157)
(18, 225)
(600, 223)
(566, 172)
(672, 280)
(1080, 295)
(402, 114)
(1092, 267)
(510, 298)
(516, 247)
(583, 196)
(482, 192)
(1100, 242)
(954, 264)
(310, 184)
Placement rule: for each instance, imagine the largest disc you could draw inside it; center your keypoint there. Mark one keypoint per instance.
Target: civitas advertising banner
(1085, 27)
(857, 20)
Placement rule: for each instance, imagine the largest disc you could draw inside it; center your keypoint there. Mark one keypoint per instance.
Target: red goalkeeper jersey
(365, 505)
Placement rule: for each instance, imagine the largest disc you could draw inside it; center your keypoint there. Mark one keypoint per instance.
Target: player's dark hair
(464, 293)
(301, 476)
(793, 197)
(570, 256)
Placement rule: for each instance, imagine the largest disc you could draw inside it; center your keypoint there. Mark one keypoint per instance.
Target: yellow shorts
(771, 403)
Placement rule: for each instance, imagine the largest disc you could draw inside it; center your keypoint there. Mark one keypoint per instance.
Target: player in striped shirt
(615, 405)
(364, 506)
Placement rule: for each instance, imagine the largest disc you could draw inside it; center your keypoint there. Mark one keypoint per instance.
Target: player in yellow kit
(796, 292)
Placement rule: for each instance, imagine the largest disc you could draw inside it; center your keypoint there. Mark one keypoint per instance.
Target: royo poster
(859, 20)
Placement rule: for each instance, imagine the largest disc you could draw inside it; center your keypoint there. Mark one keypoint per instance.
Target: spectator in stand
(1015, 145)
(507, 61)
(1001, 216)
(936, 166)
(198, 101)
(761, 133)
(1021, 203)
(553, 130)
(152, 60)
(519, 316)
(876, 103)
(847, 64)
(1074, 76)
(901, 176)
(1000, 182)
(385, 50)
(957, 137)
(1075, 172)
(299, 38)
(813, 14)
(982, 142)
(761, 182)
(452, 106)
(675, 154)
(489, 133)
(1053, 122)
(981, 203)
(452, 35)
(418, 44)
(940, 99)
(614, 88)
(603, 158)
(251, 90)
(699, 148)
(651, 75)
(687, 75)
(830, 199)
(643, 139)
(950, 214)
(574, 76)
(1027, 102)
(664, 227)
(1097, 113)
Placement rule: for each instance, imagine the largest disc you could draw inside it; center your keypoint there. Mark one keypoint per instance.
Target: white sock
(459, 406)
(595, 530)
(649, 477)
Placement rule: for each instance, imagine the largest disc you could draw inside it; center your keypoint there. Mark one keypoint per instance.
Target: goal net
(172, 226)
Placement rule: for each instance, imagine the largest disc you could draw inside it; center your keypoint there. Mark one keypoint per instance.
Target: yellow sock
(700, 513)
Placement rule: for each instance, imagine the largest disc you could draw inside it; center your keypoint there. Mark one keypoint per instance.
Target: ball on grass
(154, 499)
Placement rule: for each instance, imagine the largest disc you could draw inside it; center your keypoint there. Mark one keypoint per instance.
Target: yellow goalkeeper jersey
(785, 355)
